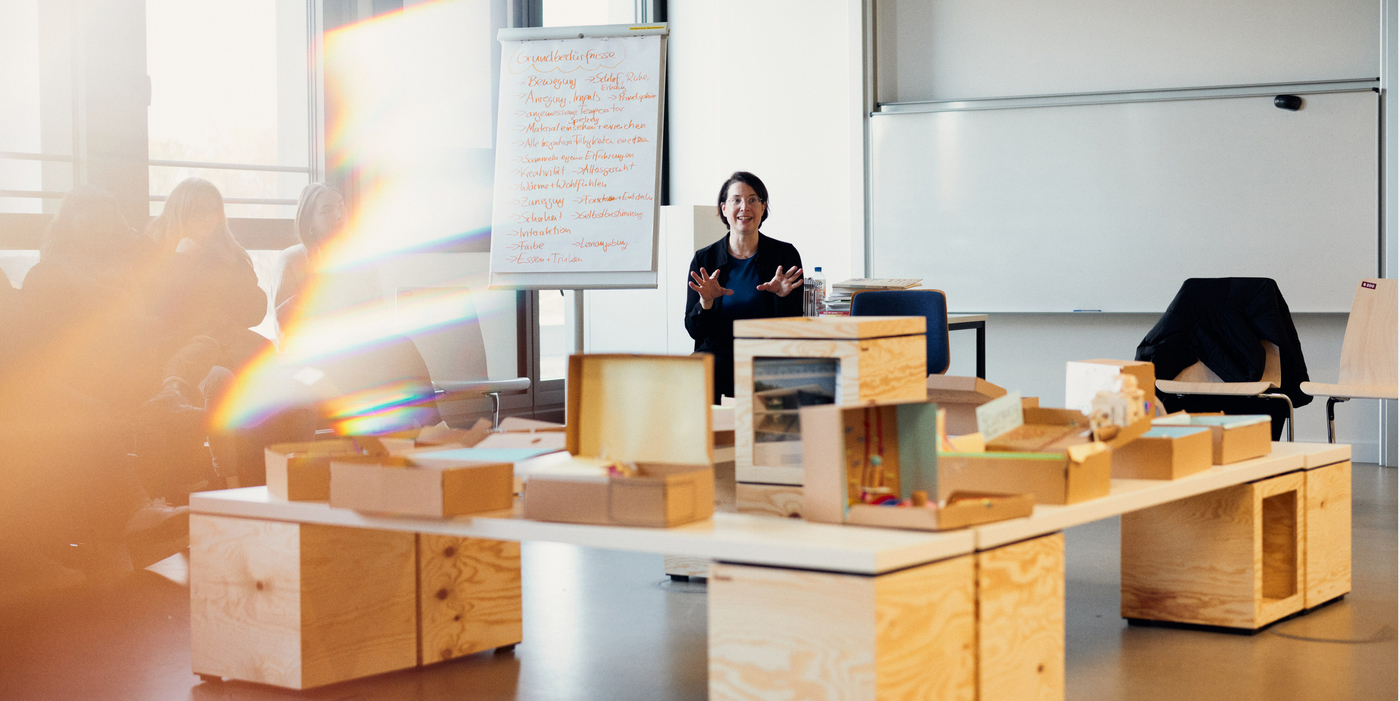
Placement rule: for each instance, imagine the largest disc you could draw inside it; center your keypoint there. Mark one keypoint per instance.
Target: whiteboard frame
(597, 280)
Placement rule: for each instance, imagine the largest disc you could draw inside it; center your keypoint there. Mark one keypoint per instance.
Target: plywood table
(270, 603)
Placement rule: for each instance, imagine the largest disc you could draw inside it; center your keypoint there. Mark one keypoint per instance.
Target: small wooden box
(874, 358)
(401, 486)
(1164, 453)
(1232, 438)
(963, 509)
(1050, 478)
(960, 397)
(1232, 557)
(302, 471)
(299, 605)
(650, 410)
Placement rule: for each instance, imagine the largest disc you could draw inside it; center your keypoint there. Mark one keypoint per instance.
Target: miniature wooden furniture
(930, 304)
(1199, 379)
(1368, 351)
(871, 358)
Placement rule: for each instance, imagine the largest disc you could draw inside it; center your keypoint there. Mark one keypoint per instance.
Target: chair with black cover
(1228, 344)
(930, 304)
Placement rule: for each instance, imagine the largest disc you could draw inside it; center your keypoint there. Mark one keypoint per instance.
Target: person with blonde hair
(205, 283)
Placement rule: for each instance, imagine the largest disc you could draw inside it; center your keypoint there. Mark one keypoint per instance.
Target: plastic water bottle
(818, 283)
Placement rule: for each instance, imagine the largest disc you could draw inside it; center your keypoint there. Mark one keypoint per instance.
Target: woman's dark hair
(747, 178)
(89, 225)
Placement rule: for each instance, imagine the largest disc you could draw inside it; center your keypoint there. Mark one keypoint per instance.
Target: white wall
(773, 88)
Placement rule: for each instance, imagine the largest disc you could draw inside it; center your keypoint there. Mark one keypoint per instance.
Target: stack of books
(838, 302)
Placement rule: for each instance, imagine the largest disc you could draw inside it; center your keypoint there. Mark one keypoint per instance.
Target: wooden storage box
(844, 361)
(1232, 557)
(652, 411)
(1327, 549)
(1050, 478)
(959, 397)
(1164, 453)
(1232, 438)
(962, 509)
(302, 471)
(401, 486)
(524, 451)
(301, 605)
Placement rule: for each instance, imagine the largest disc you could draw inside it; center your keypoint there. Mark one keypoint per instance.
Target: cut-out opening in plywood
(642, 408)
(1280, 545)
(781, 387)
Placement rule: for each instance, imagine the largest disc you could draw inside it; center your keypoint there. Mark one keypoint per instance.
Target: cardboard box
(524, 451)
(438, 435)
(1232, 438)
(650, 411)
(660, 496)
(1164, 453)
(302, 471)
(1079, 474)
(515, 424)
(401, 486)
(962, 509)
(960, 397)
(1044, 430)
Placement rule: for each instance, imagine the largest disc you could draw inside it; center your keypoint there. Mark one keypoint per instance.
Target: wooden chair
(1368, 351)
(1198, 379)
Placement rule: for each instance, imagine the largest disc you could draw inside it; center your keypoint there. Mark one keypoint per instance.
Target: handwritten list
(576, 155)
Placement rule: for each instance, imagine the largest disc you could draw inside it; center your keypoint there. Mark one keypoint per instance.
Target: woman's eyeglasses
(751, 200)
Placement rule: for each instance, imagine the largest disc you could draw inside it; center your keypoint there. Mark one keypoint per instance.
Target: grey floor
(604, 625)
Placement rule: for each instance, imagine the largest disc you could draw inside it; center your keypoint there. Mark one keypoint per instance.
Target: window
(230, 101)
(36, 125)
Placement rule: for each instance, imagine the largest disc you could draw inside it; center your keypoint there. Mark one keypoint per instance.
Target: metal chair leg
(495, 409)
(1332, 417)
(1284, 397)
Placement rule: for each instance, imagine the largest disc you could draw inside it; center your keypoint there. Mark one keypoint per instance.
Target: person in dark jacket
(730, 278)
(1221, 322)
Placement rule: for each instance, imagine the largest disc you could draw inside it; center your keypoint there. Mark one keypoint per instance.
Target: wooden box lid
(641, 408)
(842, 327)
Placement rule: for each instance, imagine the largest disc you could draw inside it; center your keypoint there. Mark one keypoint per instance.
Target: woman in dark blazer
(744, 275)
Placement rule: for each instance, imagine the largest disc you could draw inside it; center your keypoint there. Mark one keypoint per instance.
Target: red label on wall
(1369, 285)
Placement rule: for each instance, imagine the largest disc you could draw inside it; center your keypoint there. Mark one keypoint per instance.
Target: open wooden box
(889, 448)
(652, 411)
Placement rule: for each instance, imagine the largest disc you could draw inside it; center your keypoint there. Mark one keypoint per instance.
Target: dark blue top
(745, 303)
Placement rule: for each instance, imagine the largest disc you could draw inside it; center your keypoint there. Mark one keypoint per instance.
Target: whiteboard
(1110, 207)
(578, 157)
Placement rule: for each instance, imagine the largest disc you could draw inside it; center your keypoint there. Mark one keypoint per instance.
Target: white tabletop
(1127, 495)
(743, 538)
(965, 318)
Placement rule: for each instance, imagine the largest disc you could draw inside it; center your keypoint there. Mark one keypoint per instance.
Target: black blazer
(712, 329)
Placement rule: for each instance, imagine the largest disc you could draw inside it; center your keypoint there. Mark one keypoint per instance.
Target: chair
(456, 349)
(1368, 351)
(930, 304)
(1198, 379)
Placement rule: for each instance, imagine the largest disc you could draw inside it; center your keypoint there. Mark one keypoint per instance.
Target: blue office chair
(930, 304)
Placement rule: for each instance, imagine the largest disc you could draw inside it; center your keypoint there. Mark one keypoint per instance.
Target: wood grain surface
(905, 635)
(893, 369)
(1021, 621)
(1327, 534)
(1206, 559)
(299, 606)
(830, 327)
(781, 500)
(468, 596)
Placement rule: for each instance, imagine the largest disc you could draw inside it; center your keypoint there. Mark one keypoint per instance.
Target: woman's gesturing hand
(783, 283)
(707, 285)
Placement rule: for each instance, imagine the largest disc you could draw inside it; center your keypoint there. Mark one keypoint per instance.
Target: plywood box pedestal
(304, 605)
(1232, 557)
(1327, 547)
(1021, 621)
(904, 635)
